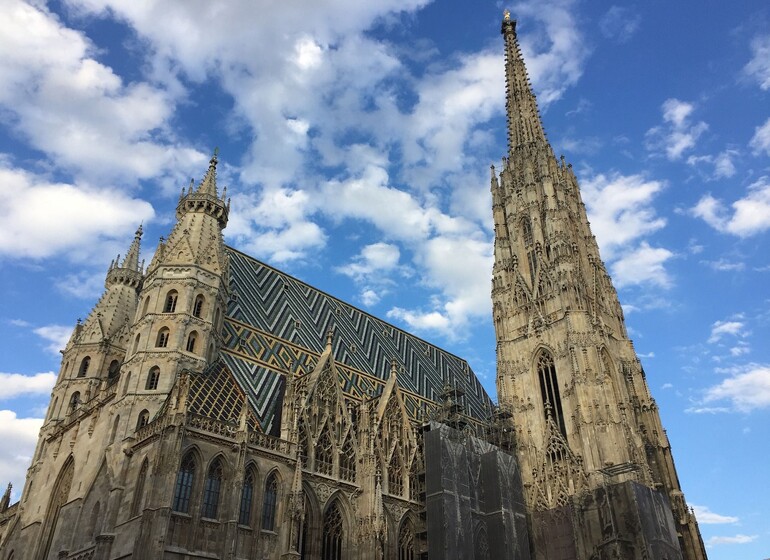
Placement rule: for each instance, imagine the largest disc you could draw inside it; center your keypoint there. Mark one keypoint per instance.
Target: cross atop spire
(132, 256)
(524, 125)
(209, 183)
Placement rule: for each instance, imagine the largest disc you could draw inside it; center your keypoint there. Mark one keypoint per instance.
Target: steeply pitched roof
(276, 323)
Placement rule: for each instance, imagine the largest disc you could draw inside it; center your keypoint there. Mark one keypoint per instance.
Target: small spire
(209, 183)
(132, 256)
(393, 367)
(5, 501)
(329, 339)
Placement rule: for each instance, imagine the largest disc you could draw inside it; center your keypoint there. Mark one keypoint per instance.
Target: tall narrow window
(170, 305)
(146, 305)
(247, 496)
(162, 340)
(74, 402)
(136, 505)
(184, 484)
(112, 372)
(324, 453)
(191, 339)
(198, 305)
(211, 490)
(153, 376)
(395, 475)
(406, 541)
(526, 231)
(549, 391)
(269, 503)
(84, 366)
(115, 426)
(333, 533)
(136, 342)
(303, 449)
(143, 419)
(348, 459)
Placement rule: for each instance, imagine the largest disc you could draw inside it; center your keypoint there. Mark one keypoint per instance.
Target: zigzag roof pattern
(277, 324)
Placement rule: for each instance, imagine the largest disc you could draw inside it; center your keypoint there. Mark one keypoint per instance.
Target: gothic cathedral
(214, 407)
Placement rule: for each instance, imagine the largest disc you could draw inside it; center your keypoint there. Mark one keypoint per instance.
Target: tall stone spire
(209, 183)
(524, 126)
(131, 261)
(584, 419)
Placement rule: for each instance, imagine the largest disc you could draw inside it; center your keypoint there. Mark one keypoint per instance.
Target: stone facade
(211, 406)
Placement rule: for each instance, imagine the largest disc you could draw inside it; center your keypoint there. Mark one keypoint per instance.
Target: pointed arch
(143, 419)
(270, 501)
(171, 299)
(59, 497)
(348, 458)
(163, 335)
(94, 523)
(74, 402)
(308, 533)
(247, 495)
(185, 480)
(136, 342)
(324, 452)
(333, 532)
(84, 365)
(396, 474)
(192, 339)
(481, 544)
(549, 390)
(114, 432)
(153, 377)
(212, 489)
(137, 502)
(146, 305)
(406, 539)
(53, 408)
(198, 305)
(113, 371)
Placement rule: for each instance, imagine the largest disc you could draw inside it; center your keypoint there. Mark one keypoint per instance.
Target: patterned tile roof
(276, 324)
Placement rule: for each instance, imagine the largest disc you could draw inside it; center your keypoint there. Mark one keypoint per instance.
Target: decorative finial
(139, 231)
(329, 337)
(506, 15)
(393, 367)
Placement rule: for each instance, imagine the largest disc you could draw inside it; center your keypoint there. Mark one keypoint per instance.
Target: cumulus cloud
(15, 384)
(42, 218)
(719, 329)
(644, 265)
(677, 134)
(760, 142)
(705, 515)
(758, 68)
(712, 167)
(747, 389)
(56, 335)
(750, 215)
(19, 436)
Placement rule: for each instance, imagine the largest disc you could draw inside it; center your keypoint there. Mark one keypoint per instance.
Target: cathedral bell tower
(183, 299)
(584, 418)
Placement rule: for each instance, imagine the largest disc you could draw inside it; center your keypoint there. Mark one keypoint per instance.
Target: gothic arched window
(115, 426)
(526, 232)
(348, 459)
(247, 497)
(143, 419)
(170, 305)
(269, 503)
(198, 305)
(84, 366)
(406, 541)
(113, 370)
(136, 342)
(211, 490)
(74, 402)
(153, 376)
(94, 527)
(146, 305)
(549, 391)
(184, 484)
(162, 340)
(136, 505)
(324, 453)
(191, 339)
(395, 475)
(333, 533)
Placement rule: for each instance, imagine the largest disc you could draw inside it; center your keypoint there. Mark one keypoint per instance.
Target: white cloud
(720, 166)
(760, 142)
(758, 68)
(56, 335)
(619, 24)
(748, 389)
(678, 134)
(78, 111)
(723, 265)
(737, 539)
(750, 214)
(705, 515)
(16, 384)
(81, 285)
(377, 258)
(19, 436)
(732, 327)
(42, 218)
(620, 209)
(644, 265)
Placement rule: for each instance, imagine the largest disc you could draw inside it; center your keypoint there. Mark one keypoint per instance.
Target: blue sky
(356, 138)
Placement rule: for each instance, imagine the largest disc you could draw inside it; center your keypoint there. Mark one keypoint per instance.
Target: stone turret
(583, 414)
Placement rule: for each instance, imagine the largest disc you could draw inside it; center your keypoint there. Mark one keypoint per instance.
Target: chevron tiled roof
(277, 324)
